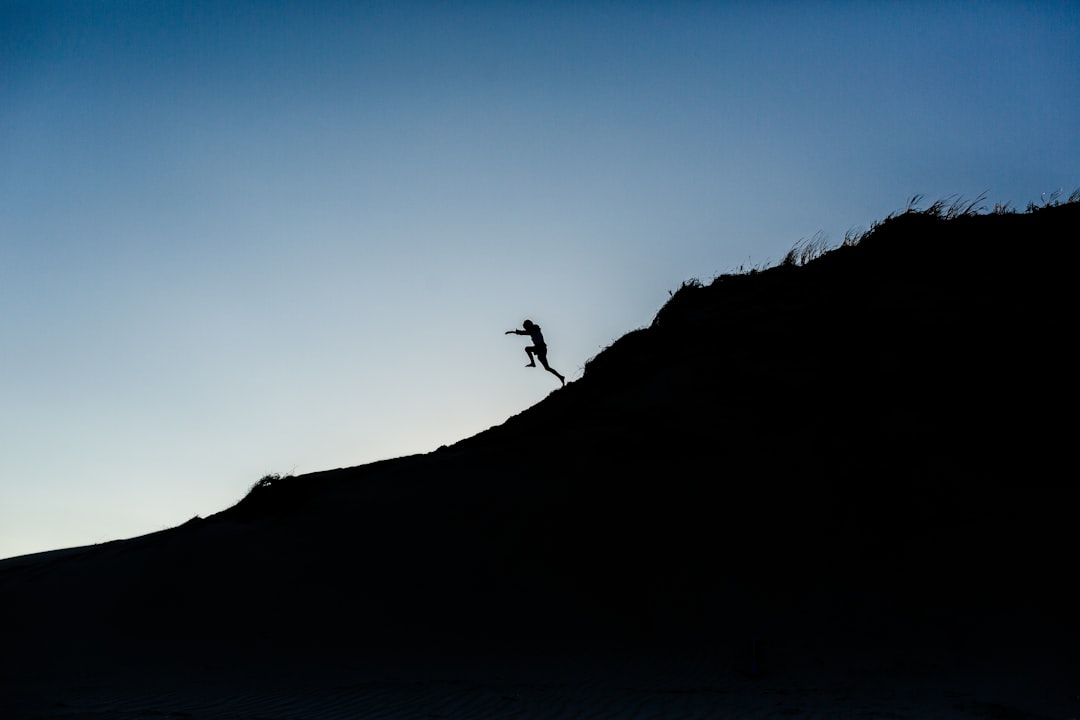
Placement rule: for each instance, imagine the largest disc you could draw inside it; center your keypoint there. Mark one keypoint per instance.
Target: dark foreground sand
(814, 686)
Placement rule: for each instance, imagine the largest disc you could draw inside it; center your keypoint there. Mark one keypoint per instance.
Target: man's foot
(531, 365)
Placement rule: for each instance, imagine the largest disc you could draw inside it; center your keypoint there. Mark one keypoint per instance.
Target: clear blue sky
(239, 238)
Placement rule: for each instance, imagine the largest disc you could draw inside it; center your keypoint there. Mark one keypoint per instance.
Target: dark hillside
(866, 440)
(880, 416)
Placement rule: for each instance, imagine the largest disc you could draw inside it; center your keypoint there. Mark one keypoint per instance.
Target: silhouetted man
(538, 350)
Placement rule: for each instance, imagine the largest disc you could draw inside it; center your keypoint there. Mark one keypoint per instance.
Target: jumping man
(538, 350)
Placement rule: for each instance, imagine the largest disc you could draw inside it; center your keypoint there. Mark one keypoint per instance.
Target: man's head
(527, 324)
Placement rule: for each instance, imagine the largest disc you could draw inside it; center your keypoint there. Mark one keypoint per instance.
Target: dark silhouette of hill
(860, 445)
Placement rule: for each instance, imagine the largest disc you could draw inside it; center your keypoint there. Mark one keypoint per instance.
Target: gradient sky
(240, 238)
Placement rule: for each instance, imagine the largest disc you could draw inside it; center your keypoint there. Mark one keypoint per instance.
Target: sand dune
(616, 690)
(825, 490)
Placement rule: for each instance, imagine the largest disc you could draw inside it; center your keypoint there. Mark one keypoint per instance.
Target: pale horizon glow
(262, 237)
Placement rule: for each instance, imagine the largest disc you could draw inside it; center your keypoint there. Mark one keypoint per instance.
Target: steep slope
(866, 441)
